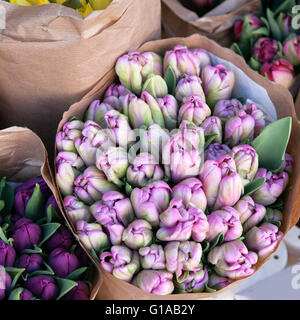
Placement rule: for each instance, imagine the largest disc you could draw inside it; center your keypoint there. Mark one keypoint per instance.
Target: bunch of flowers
(269, 44)
(39, 257)
(169, 179)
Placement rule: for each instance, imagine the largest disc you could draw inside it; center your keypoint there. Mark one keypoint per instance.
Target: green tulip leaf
(219, 240)
(15, 294)
(35, 206)
(52, 215)
(48, 230)
(3, 235)
(94, 253)
(276, 223)
(275, 30)
(205, 246)
(75, 275)
(170, 79)
(74, 4)
(271, 144)
(279, 204)
(183, 277)
(253, 186)
(209, 139)
(15, 274)
(2, 205)
(235, 48)
(263, 31)
(266, 23)
(8, 196)
(48, 271)
(254, 64)
(208, 289)
(32, 251)
(2, 185)
(128, 188)
(285, 7)
(65, 285)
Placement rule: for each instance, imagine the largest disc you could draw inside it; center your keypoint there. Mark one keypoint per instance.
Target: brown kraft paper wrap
(51, 57)
(217, 24)
(22, 157)
(115, 289)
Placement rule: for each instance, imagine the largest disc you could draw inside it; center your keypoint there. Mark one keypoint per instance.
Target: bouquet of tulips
(84, 7)
(270, 44)
(39, 257)
(173, 184)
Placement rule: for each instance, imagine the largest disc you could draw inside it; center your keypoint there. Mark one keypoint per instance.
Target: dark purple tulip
(31, 262)
(62, 262)
(6, 285)
(7, 255)
(51, 201)
(43, 287)
(83, 258)
(62, 238)
(26, 234)
(26, 295)
(80, 292)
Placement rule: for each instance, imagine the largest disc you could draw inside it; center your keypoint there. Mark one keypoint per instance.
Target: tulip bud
(79, 292)
(114, 163)
(121, 262)
(156, 112)
(65, 138)
(273, 187)
(194, 283)
(273, 215)
(189, 86)
(76, 210)
(133, 69)
(253, 23)
(279, 71)
(92, 236)
(215, 151)
(156, 86)
(226, 109)
(257, 115)
(26, 234)
(144, 170)
(20, 294)
(7, 255)
(5, 284)
(191, 192)
(156, 282)
(217, 282)
(232, 260)
(183, 256)
(149, 202)
(52, 202)
(194, 110)
(31, 262)
(265, 49)
(218, 83)
(153, 257)
(225, 221)
(222, 185)
(263, 239)
(62, 238)
(285, 23)
(213, 125)
(62, 262)
(202, 56)
(114, 96)
(96, 112)
(239, 128)
(169, 108)
(288, 164)
(43, 287)
(291, 50)
(138, 234)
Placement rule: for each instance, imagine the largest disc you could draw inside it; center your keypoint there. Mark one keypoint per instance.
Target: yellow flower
(100, 4)
(40, 2)
(59, 1)
(21, 2)
(86, 10)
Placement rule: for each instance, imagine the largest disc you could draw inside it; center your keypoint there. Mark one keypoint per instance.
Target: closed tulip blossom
(31, 262)
(26, 234)
(226, 109)
(225, 221)
(114, 96)
(149, 202)
(156, 111)
(169, 108)
(153, 257)
(202, 56)
(126, 102)
(258, 116)
(179, 224)
(291, 50)
(7, 255)
(285, 24)
(253, 22)
(279, 71)
(92, 236)
(91, 185)
(5, 284)
(246, 160)
(138, 234)
(213, 125)
(216, 282)
(239, 128)
(233, 260)
(273, 187)
(119, 130)
(97, 111)
(62, 262)
(215, 151)
(52, 202)
(183, 256)
(121, 262)
(265, 49)
(79, 292)
(189, 86)
(133, 69)
(62, 238)
(218, 83)
(114, 162)
(222, 184)
(76, 210)
(20, 294)
(194, 110)
(144, 170)
(154, 281)
(191, 192)
(43, 287)
(156, 86)
(193, 283)
(182, 61)
(65, 138)
(288, 164)
(263, 239)
(183, 154)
